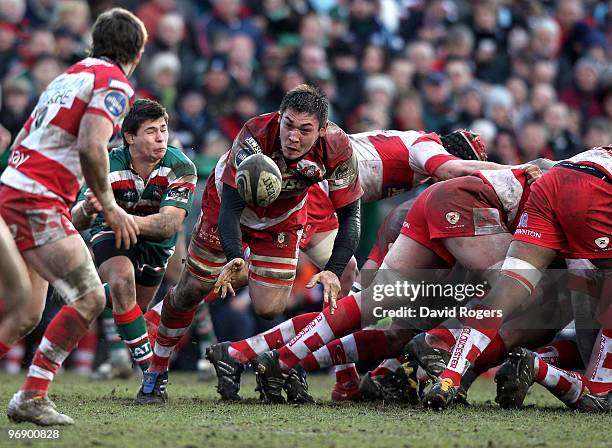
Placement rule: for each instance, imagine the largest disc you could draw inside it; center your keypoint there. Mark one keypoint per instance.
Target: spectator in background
(151, 13)
(469, 107)
(563, 143)
(218, 88)
(312, 62)
(598, 133)
(401, 71)
(374, 59)
(44, 70)
(499, 107)
(583, 96)
(460, 74)
(244, 109)
(17, 103)
(422, 55)
(505, 149)
(542, 96)
(241, 61)
(171, 36)
(532, 139)
(9, 55)
(437, 102)
(517, 87)
(408, 113)
(192, 121)
(163, 75)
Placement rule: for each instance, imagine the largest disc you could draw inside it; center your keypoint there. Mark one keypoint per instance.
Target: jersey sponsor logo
(453, 217)
(524, 220)
(18, 158)
(179, 194)
(529, 233)
(602, 242)
(292, 184)
(115, 103)
(346, 173)
(252, 143)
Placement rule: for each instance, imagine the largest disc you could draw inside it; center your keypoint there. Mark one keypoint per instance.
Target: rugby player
(568, 213)
(65, 139)
(154, 182)
(307, 149)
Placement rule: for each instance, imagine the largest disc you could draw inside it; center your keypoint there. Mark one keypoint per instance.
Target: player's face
(298, 133)
(151, 140)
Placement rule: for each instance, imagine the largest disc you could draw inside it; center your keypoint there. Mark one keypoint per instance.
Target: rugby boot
(296, 387)
(38, 410)
(347, 391)
(432, 360)
(153, 388)
(270, 378)
(589, 402)
(441, 395)
(228, 371)
(514, 378)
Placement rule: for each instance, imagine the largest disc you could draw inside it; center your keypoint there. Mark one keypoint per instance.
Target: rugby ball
(258, 180)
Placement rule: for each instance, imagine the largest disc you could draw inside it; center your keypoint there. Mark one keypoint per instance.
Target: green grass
(106, 416)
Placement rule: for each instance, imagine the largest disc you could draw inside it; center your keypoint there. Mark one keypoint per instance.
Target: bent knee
(269, 309)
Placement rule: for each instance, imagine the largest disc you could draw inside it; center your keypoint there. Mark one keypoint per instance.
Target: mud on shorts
(273, 252)
(34, 220)
(460, 207)
(148, 259)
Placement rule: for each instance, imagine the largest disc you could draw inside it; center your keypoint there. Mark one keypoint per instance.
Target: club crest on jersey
(453, 217)
(524, 220)
(115, 103)
(281, 237)
(602, 242)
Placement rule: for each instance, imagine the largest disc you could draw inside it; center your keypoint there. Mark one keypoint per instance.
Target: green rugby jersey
(171, 183)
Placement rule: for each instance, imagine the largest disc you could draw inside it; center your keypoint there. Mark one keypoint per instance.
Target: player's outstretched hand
(124, 226)
(231, 271)
(533, 173)
(331, 287)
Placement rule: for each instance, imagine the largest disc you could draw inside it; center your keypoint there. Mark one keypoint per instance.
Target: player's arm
(94, 133)
(162, 225)
(14, 280)
(229, 222)
(457, 168)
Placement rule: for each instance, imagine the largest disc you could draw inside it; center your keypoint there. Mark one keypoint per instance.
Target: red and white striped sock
(600, 381)
(566, 386)
(492, 356)
(14, 357)
(324, 328)
(563, 354)
(174, 324)
(61, 336)
(364, 345)
(388, 366)
(82, 358)
(442, 337)
(346, 373)
(475, 336)
(246, 350)
(153, 319)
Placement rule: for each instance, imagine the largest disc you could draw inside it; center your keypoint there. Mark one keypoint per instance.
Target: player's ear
(323, 131)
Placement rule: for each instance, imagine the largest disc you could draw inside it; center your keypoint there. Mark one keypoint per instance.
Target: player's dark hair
(118, 35)
(309, 99)
(141, 111)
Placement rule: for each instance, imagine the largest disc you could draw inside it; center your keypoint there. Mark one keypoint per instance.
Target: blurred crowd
(532, 77)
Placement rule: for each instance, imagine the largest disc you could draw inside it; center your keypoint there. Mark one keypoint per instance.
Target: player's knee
(28, 320)
(189, 293)
(268, 309)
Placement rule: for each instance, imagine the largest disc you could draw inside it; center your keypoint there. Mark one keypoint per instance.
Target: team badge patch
(602, 242)
(115, 103)
(524, 220)
(453, 217)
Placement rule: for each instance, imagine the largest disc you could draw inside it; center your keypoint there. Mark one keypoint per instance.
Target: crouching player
(307, 149)
(153, 182)
(568, 213)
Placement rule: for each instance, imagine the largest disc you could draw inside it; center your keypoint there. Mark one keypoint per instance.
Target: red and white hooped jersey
(46, 163)
(600, 157)
(391, 162)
